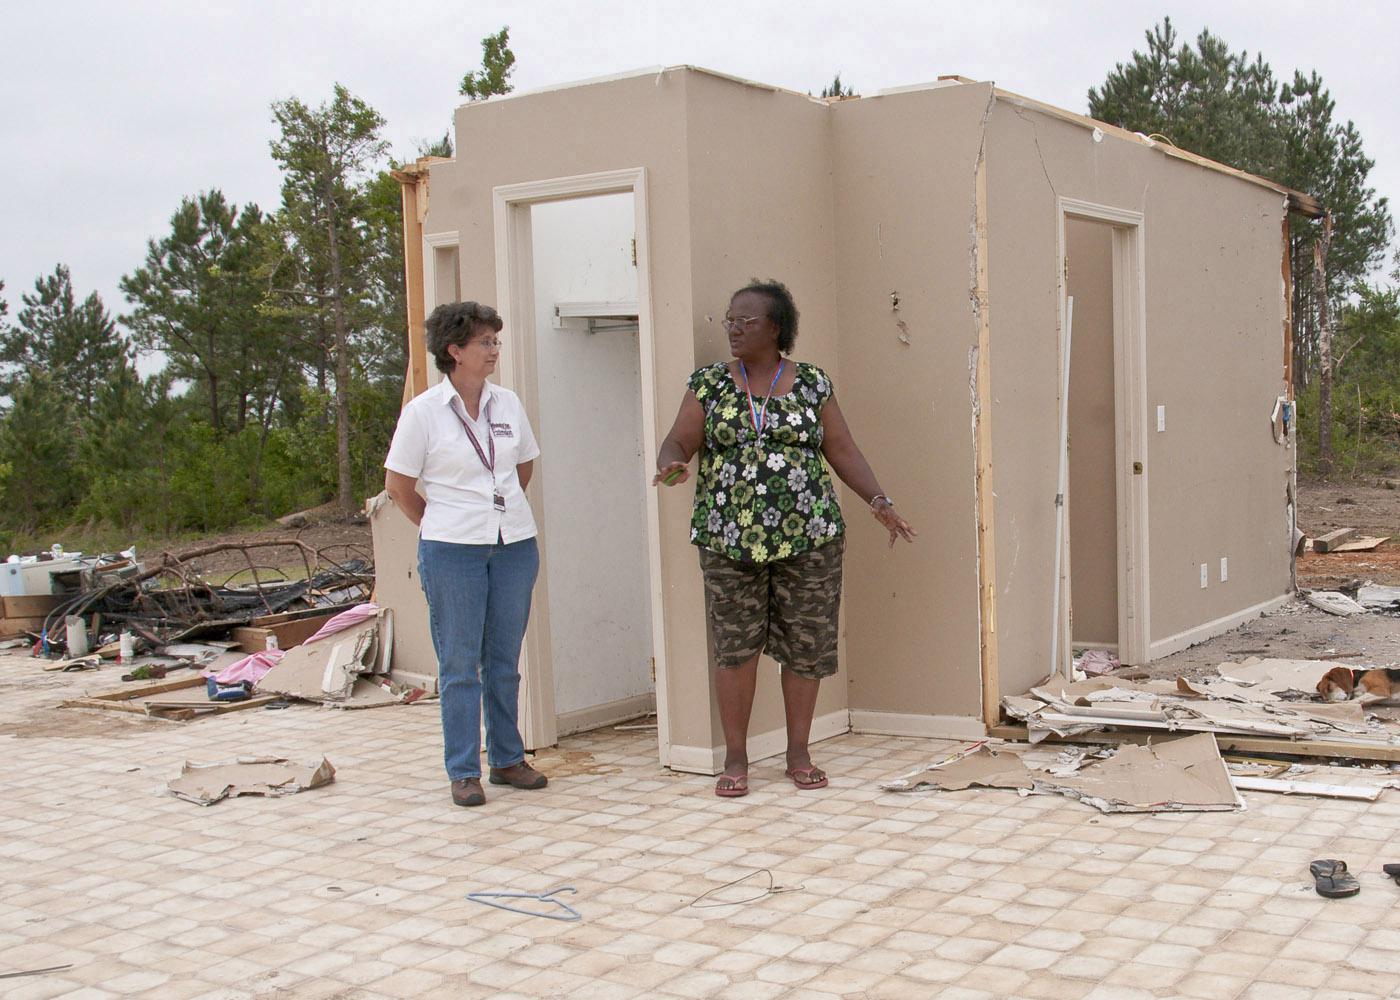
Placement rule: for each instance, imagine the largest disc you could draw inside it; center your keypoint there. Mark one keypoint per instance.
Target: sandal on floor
(807, 778)
(737, 788)
(1333, 880)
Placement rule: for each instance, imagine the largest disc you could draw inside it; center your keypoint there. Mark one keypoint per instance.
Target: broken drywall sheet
(1374, 597)
(1278, 676)
(981, 767)
(1334, 602)
(1257, 697)
(1176, 775)
(325, 669)
(205, 784)
(1181, 775)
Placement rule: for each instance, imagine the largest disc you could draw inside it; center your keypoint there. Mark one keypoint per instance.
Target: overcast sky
(115, 110)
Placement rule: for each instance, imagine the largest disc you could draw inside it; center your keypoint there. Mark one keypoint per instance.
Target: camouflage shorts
(786, 608)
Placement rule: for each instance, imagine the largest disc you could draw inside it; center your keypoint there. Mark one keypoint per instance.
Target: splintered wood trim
(1287, 308)
(986, 505)
(1228, 742)
(411, 186)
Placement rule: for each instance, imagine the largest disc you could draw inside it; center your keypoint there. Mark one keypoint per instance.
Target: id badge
(499, 501)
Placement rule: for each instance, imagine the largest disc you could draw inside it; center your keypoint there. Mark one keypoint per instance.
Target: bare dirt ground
(325, 530)
(1299, 631)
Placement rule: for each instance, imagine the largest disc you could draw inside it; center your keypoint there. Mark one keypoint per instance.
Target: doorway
(593, 467)
(573, 282)
(1104, 584)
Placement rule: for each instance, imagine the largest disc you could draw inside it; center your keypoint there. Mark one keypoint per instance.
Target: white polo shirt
(431, 445)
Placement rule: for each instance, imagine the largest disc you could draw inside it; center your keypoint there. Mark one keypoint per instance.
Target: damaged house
(1064, 347)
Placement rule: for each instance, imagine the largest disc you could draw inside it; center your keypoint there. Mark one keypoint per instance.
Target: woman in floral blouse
(767, 521)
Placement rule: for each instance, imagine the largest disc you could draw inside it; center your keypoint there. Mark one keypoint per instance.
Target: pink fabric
(346, 619)
(250, 668)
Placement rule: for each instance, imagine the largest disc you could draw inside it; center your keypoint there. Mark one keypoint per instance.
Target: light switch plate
(1224, 569)
(1205, 576)
(1161, 418)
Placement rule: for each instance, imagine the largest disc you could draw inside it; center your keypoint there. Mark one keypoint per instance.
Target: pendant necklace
(757, 415)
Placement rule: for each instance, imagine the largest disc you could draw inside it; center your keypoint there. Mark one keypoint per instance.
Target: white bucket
(77, 636)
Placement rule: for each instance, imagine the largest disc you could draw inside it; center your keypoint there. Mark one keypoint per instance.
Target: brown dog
(1341, 683)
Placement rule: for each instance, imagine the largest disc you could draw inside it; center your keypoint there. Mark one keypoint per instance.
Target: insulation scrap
(205, 784)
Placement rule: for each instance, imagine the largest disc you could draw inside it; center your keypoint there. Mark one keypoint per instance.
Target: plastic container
(126, 648)
(77, 636)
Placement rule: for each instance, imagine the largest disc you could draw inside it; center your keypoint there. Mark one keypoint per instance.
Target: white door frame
(1130, 409)
(518, 370)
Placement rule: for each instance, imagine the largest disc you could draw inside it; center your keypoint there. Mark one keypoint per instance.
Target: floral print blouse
(759, 500)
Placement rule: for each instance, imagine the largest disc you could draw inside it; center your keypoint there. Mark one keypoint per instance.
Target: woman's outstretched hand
(672, 475)
(894, 524)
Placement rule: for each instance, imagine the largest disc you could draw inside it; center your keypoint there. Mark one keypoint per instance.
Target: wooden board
(29, 606)
(140, 699)
(19, 626)
(253, 639)
(1228, 743)
(1361, 544)
(1329, 541)
(986, 503)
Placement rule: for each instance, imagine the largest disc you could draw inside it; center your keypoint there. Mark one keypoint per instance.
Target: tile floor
(357, 890)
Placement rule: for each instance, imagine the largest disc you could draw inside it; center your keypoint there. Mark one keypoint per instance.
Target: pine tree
(75, 343)
(325, 153)
(497, 64)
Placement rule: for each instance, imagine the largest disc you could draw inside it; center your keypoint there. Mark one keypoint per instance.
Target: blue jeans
(478, 604)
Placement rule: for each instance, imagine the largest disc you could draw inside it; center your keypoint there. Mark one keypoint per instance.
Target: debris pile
(345, 664)
(126, 607)
(1257, 697)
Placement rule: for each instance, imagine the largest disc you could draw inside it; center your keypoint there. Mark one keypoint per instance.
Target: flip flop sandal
(1393, 871)
(803, 778)
(738, 786)
(1333, 880)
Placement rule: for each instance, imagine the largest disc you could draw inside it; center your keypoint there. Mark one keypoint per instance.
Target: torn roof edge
(1298, 201)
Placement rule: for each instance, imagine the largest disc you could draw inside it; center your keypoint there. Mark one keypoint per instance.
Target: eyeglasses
(490, 343)
(741, 323)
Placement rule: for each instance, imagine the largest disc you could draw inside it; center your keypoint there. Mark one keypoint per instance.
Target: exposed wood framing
(1305, 204)
(986, 506)
(1287, 309)
(413, 188)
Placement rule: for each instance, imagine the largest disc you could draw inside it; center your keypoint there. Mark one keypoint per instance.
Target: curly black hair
(782, 310)
(457, 323)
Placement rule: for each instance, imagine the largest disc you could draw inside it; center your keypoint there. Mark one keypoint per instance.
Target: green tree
(196, 299)
(76, 343)
(38, 447)
(497, 64)
(324, 153)
(837, 89)
(1231, 108)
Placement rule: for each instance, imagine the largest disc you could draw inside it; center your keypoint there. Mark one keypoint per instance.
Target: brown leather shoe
(467, 792)
(520, 775)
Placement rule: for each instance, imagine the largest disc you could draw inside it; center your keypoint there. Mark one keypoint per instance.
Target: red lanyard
(759, 417)
(490, 440)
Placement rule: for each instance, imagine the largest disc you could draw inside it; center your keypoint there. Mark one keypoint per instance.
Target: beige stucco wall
(620, 124)
(739, 185)
(905, 170)
(760, 194)
(853, 202)
(1214, 305)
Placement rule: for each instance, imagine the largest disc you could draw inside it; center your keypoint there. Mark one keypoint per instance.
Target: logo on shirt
(501, 431)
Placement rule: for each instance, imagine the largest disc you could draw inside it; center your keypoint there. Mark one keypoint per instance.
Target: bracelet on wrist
(880, 496)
